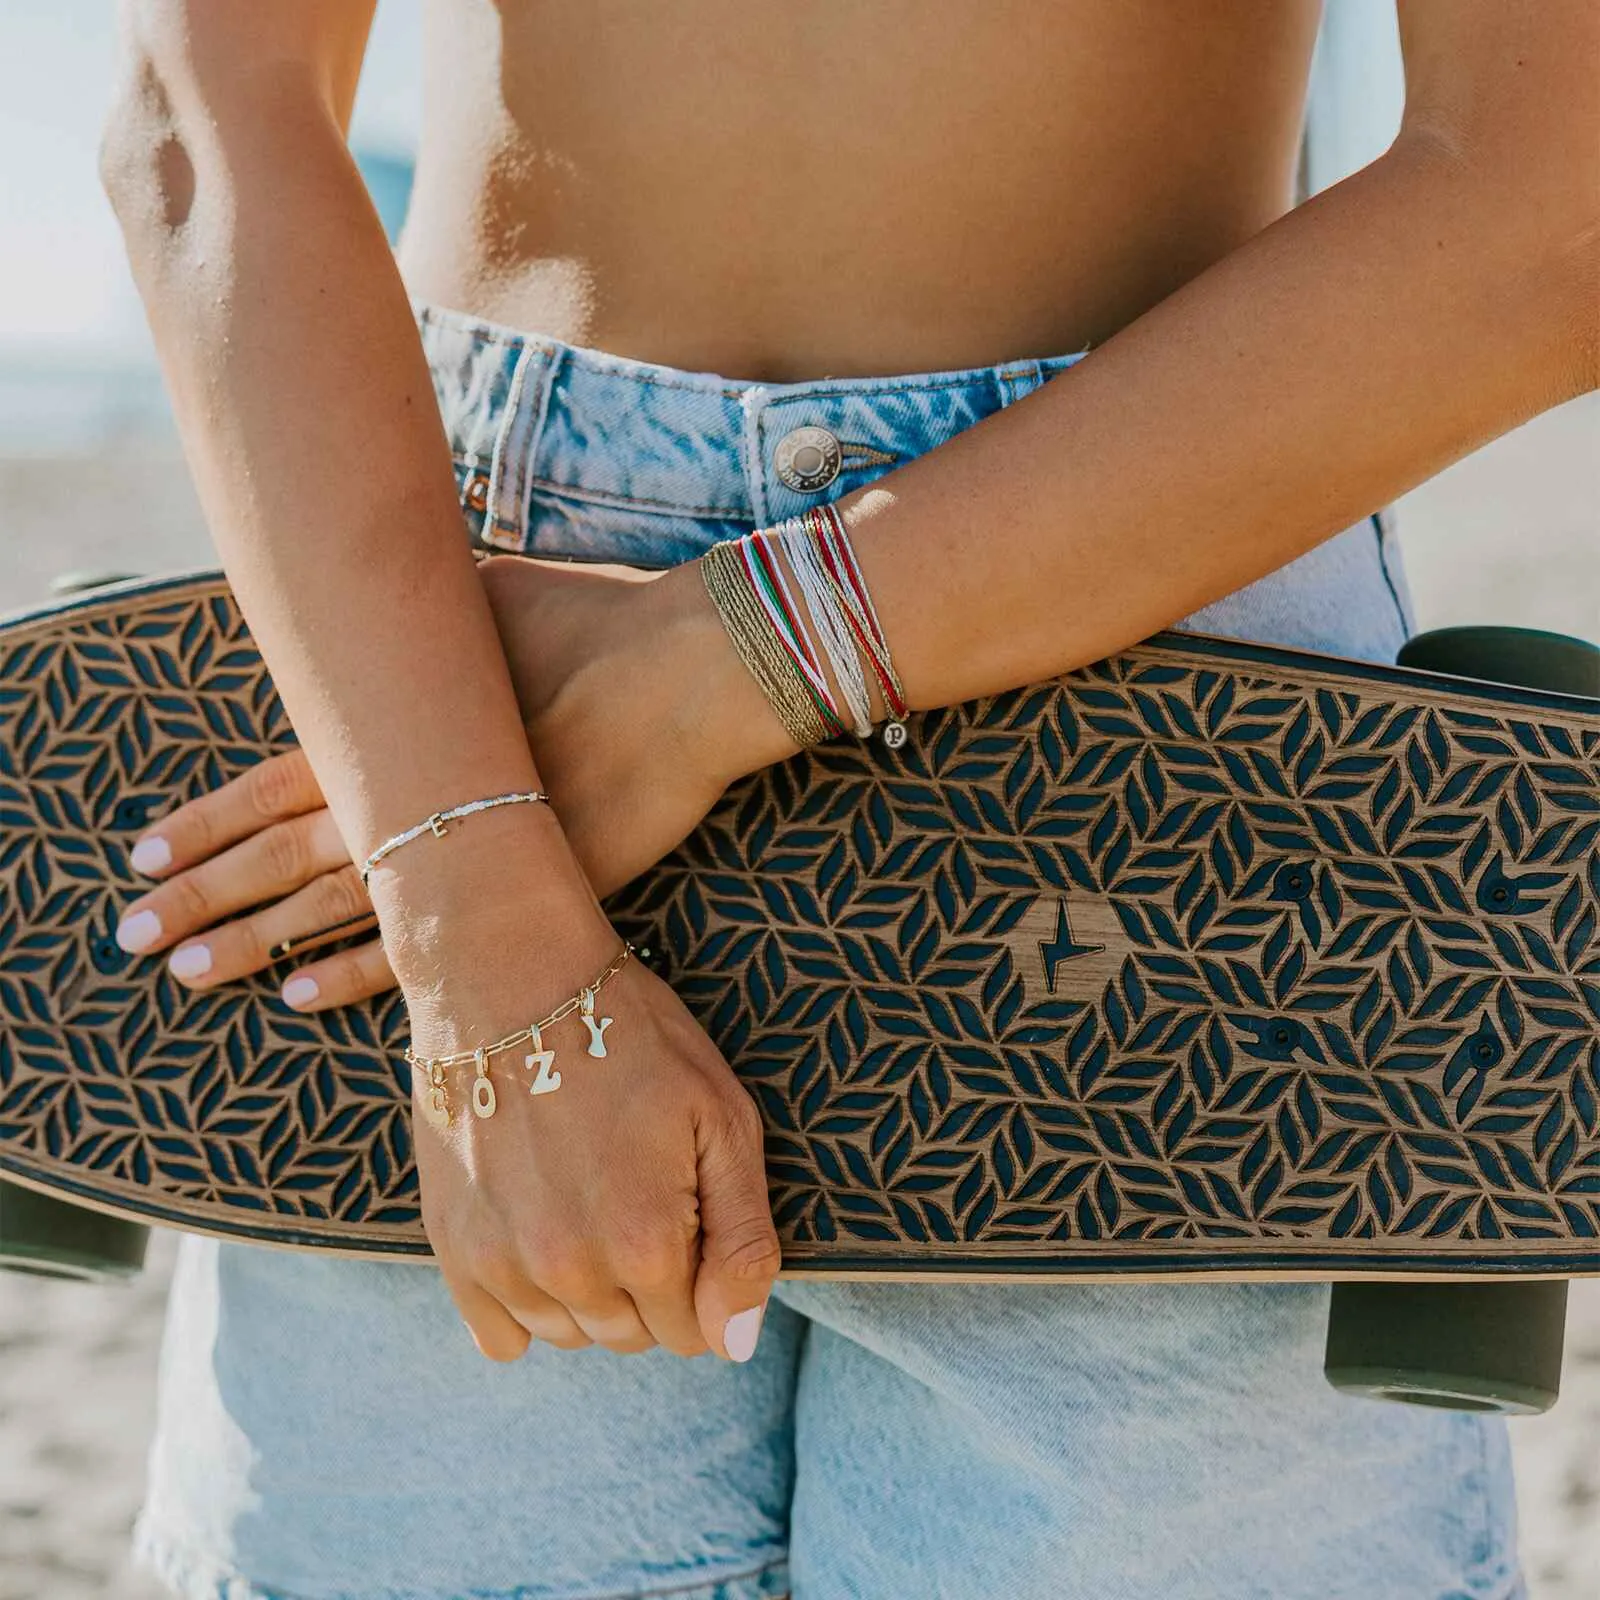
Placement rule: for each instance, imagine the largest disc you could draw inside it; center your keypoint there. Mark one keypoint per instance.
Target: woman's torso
(777, 191)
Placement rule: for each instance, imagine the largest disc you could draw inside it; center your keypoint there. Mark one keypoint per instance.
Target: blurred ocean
(75, 360)
(70, 407)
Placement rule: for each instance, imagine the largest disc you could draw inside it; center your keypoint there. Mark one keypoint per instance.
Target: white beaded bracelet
(436, 823)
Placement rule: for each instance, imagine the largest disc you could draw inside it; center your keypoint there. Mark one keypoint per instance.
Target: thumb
(739, 1254)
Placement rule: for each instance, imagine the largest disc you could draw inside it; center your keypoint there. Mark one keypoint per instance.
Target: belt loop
(1017, 380)
(511, 459)
(753, 402)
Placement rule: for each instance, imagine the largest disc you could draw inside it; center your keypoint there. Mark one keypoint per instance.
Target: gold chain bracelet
(540, 1061)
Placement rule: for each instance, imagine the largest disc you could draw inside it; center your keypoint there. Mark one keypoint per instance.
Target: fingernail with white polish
(742, 1330)
(299, 992)
(190, 961)
(151, 854)
(139, 931)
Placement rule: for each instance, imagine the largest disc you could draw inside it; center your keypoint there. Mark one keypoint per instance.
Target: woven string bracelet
(801, 547)
(759, 647)
(748, 585)
(772, 591)
(850, 588)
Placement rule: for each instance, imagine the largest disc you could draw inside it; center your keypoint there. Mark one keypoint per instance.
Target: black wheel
(1467, 1346)
(52, 1238)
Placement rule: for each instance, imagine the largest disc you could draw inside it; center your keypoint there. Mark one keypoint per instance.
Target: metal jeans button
(808, 459)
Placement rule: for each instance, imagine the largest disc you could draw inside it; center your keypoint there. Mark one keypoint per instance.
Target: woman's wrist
(794, 607)
(490, 898)
(723, 708)
(502, 978)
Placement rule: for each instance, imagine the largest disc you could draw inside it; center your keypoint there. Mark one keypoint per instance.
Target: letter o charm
(483, 1098)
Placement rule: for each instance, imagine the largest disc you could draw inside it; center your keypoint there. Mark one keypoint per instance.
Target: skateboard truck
(1464, 1346)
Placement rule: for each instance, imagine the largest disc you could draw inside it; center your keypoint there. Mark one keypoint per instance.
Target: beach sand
(1509, 536)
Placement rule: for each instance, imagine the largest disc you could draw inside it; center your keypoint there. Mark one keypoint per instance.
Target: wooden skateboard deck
(1209, 958)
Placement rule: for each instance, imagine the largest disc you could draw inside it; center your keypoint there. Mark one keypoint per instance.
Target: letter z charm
(541, 1063)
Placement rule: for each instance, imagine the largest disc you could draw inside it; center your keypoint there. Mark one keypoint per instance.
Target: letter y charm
(596, 1025)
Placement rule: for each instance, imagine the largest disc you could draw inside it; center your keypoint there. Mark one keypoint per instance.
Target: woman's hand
(256, 872)
(636, 708)
(629, 1208)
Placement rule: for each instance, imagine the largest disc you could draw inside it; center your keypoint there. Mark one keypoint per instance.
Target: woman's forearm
(1352, 350)
(1394, 323)
(1430, 303)
(310, 424)
(634, 1210)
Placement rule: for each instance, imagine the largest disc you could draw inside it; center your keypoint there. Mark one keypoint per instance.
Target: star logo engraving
(1061, 947)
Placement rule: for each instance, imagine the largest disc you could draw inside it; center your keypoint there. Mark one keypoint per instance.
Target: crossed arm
(1434, 300)
(1421, 308)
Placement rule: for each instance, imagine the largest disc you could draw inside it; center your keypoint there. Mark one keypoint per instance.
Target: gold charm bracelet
(539, 1061)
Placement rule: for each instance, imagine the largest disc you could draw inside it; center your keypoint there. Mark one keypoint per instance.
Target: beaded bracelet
(540, 1061)
(436, 823)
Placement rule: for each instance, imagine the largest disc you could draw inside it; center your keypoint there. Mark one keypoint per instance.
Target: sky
(64, 288)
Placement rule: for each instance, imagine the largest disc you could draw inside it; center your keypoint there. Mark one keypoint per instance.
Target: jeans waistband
(530, 416)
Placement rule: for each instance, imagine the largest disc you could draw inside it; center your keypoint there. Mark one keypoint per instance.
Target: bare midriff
(780, 190)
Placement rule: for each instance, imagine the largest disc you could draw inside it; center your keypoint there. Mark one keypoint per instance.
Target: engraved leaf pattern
(1342, 995)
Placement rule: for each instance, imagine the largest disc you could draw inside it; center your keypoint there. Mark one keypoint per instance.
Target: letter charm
(542, 1062)
(596, 1026)
(438, 1102)
(484, 1099)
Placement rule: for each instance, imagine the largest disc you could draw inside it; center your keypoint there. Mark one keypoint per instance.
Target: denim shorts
(328, 1430)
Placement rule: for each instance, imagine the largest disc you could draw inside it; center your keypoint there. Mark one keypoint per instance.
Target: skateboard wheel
(1466, 1346)
(1526, 657)
(81, 582)
(52, 1238)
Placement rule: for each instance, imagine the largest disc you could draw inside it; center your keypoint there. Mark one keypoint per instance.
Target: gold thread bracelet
(540, 1060)
(436, 823)
(728, 583)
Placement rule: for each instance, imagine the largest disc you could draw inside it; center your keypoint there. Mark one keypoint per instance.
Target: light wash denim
(327, 1429)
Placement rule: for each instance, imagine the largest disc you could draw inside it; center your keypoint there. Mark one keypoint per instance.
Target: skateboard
(1211, 958)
